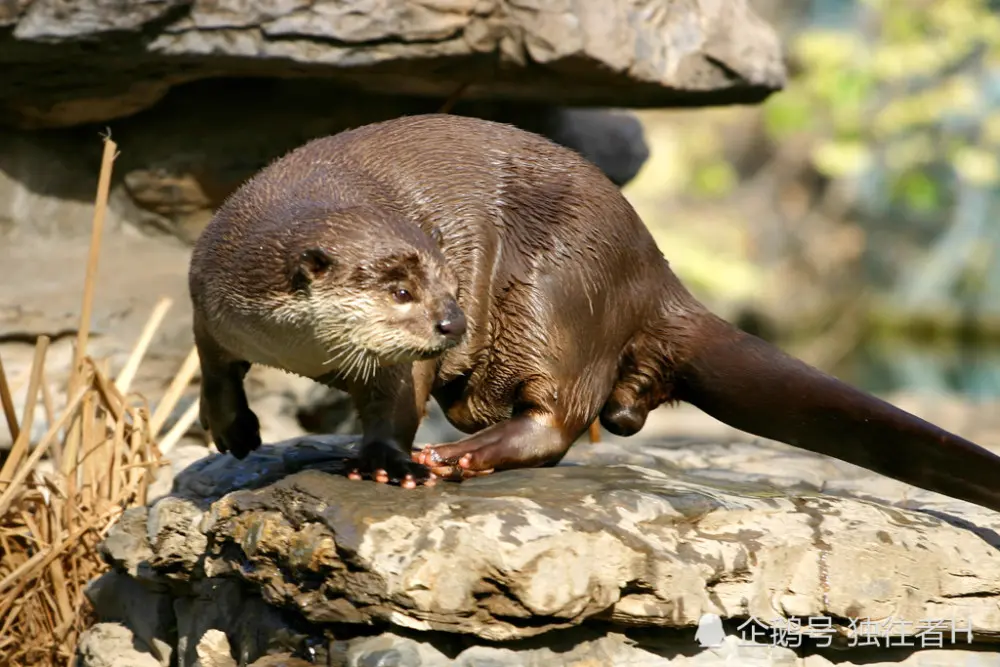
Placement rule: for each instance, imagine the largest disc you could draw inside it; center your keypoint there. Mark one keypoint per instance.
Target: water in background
(968, 369)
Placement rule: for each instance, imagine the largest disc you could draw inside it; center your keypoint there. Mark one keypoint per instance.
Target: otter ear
(312, 264)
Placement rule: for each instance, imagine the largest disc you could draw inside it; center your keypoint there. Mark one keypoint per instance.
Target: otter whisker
(354, 363)
(340, 354)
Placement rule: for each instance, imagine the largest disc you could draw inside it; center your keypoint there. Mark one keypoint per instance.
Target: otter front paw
(385, 463)
(240, 437)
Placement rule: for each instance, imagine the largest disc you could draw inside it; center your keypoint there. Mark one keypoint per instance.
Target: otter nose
(452, 324)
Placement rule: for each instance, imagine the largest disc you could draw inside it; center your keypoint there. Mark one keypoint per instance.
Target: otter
(509, 278)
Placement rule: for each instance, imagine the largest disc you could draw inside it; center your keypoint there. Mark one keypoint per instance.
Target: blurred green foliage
(713, 177)
(904, 93)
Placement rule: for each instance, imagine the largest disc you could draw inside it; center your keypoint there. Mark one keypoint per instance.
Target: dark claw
(241, 437)
(398, 466)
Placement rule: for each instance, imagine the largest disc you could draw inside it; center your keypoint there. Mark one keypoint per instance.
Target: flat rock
(112, 645)
(596, 53)
(526, 555)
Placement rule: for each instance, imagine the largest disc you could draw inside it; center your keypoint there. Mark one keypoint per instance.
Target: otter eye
(402, 295)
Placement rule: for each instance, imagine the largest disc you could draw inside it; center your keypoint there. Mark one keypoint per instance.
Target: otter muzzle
(452, 323)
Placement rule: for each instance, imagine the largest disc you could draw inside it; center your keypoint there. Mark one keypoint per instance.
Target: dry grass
(61, 494)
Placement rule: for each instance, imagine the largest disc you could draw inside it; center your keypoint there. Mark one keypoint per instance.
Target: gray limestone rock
(597, 52)
(119, 598)
(577, 564)
(112, 645)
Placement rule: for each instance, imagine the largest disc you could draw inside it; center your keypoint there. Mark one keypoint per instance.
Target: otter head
(379, 292)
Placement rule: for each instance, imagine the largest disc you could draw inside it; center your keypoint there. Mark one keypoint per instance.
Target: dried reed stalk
(55, 511)
(174, 392)
(96, 235)
(453, 99)
(595, 431)
(8, 406)
(27, 421)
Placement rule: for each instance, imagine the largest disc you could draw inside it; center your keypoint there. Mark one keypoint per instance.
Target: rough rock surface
(594, 52)
(578, 564)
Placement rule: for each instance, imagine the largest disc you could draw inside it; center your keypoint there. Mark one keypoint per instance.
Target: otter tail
(751, 385)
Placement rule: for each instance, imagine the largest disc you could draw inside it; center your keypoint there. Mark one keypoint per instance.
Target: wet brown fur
(572, 312)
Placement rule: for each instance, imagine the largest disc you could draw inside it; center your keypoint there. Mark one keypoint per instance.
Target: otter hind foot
(524, 441)
(386, 463)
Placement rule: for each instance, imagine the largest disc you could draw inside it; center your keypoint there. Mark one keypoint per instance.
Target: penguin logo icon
(710, 631)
